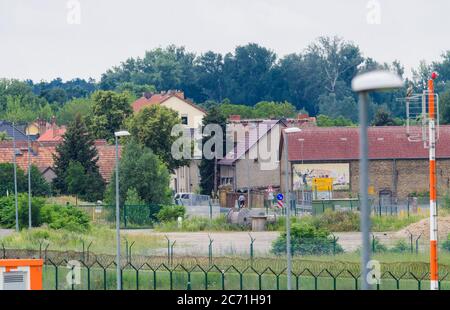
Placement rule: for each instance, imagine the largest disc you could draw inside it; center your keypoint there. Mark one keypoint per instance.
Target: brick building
(395, 163)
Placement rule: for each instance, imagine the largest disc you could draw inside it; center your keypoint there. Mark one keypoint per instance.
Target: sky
(45, 39)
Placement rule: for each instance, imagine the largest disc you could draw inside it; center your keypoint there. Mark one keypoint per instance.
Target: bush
(67, 217)
(307, 240)
(446, 244)
(401, 247)
(8, 211)
(170, 213)
(337, 221)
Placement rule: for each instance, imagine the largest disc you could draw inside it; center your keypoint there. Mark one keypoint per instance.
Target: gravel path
(229, 243)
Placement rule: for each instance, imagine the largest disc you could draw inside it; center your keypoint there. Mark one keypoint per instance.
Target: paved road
(229, 243)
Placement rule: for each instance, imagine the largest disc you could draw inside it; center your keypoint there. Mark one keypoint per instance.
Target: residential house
(11, 131)
(253, 162)
(186, 178)
(41, 155)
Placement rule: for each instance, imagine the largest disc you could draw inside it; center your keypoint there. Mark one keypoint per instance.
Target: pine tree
(78, 146)
(214, 116)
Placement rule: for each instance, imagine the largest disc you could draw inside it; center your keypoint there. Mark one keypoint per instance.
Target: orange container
(21, 274)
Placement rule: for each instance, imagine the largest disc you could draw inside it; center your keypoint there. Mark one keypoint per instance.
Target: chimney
(54, 127)
(302, 116)
(147, 95)
(234, 118)
(180, 94)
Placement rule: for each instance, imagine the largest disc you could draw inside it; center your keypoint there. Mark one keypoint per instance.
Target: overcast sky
(44, 39)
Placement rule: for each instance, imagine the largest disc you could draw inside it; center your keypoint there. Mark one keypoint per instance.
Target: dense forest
(316, 80)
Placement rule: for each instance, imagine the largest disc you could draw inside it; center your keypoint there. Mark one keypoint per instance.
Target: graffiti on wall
(303, 175)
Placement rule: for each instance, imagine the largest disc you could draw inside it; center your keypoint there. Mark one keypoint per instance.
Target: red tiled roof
(342, 143)
(158, 99)
(42, 156)
(53, 134)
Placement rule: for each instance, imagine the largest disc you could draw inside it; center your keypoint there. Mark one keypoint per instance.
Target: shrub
(307, 240)
(170, 213)
(67, 217)
(337, 221)
(446, 244)
(401, 247)
(8, 211)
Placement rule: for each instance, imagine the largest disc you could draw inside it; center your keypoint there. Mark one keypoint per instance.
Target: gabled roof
(342, 143)
(53, 134)
(255, 134)
(146, 101)
(18, 132)
(42, 155)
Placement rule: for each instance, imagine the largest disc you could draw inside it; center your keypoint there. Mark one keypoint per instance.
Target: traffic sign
(280, 196)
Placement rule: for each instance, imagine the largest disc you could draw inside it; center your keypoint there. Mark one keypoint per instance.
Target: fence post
(171, 252)
(252, 240)
(373, 243)
(125, 215)
(407, 206)
(4, 251)
(210, 211)
(417, 244)
(89, 246)
(335, 239)
(168, 250)
(82, 255)
(210, 254)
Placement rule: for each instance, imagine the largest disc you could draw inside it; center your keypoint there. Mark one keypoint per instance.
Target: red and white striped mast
(434, 277)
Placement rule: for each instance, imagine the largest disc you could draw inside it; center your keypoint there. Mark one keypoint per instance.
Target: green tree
(78, 146)
(266, 109)
(383, 118)
(67, 113)
(76, 179)
(39, 186)
(206, 168)
(326, 121)
(152, 127)
(444, 102)
(109, 110)
(141, 170)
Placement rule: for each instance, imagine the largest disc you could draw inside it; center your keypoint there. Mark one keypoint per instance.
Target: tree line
(315, 80)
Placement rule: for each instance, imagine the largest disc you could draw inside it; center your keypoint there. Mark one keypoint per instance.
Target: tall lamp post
(15, 176)
(119, 274)
(363, 84)
(29, 184)
(288, 206)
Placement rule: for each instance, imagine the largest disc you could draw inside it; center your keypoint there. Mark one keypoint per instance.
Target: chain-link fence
(88, 271)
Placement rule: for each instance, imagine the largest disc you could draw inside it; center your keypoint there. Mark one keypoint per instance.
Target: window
(184, 119)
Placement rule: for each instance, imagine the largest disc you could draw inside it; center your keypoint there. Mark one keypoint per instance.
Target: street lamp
(15, 177)
(363, 84)
(288, 207)
(118, 134)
